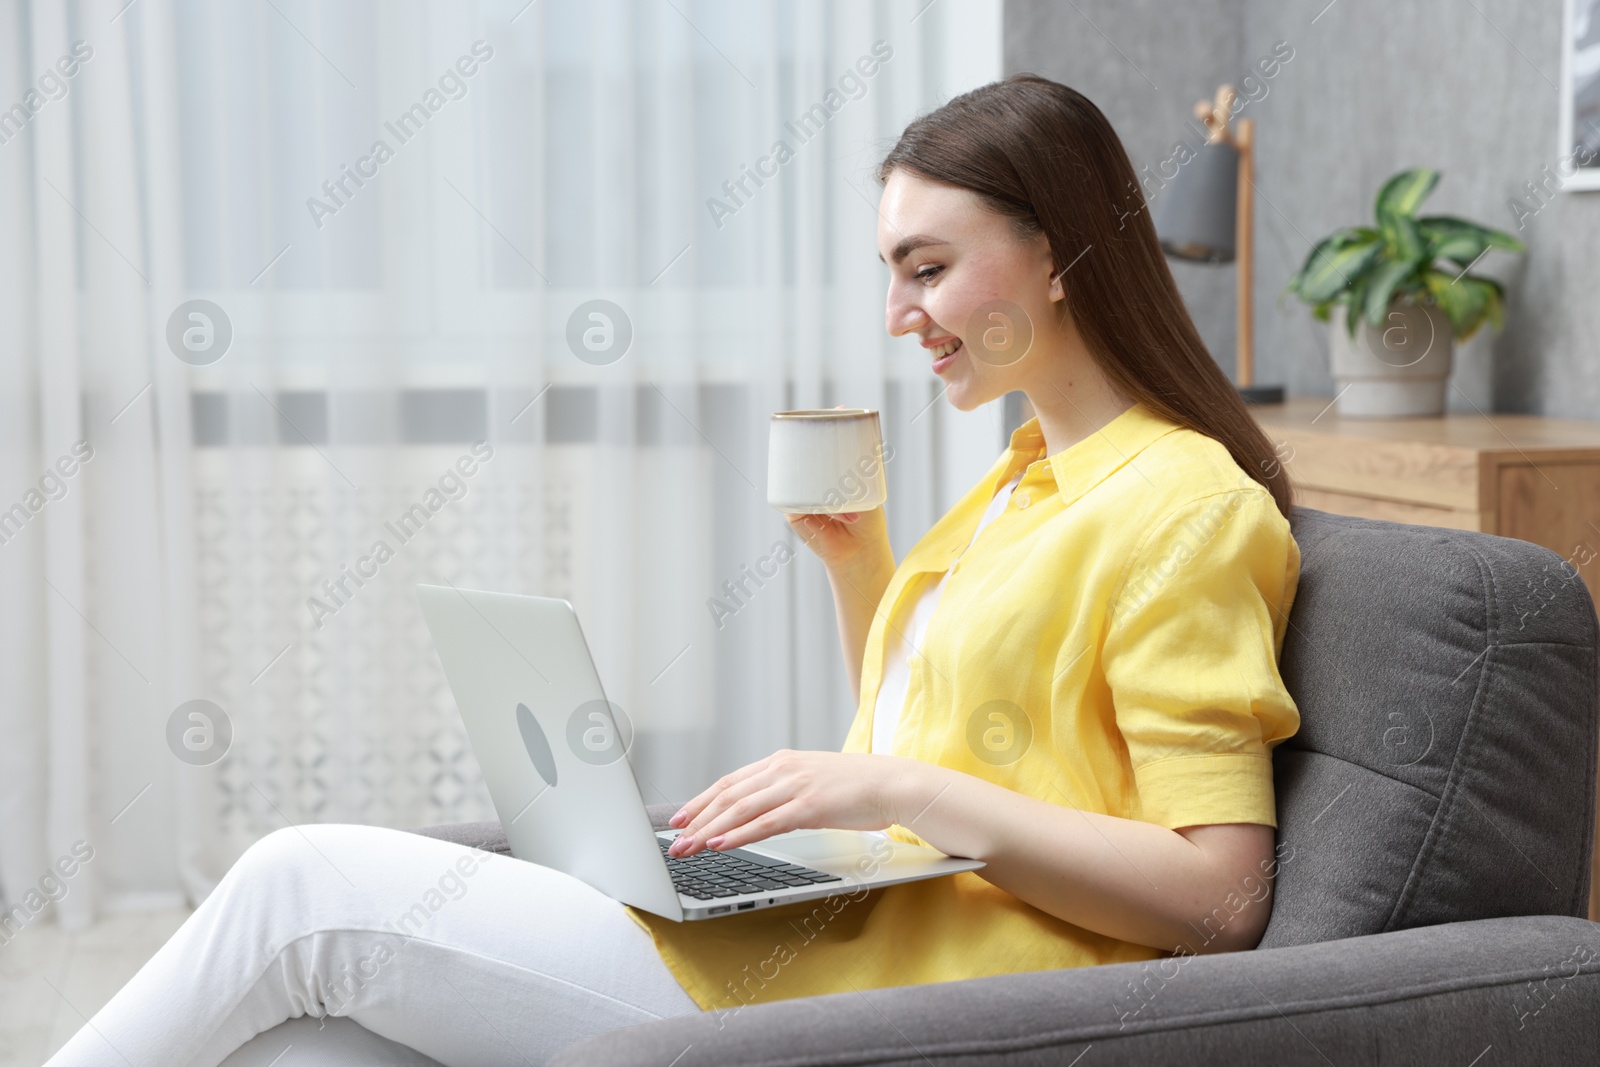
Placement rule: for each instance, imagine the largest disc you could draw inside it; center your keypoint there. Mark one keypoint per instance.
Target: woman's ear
(1057, 290)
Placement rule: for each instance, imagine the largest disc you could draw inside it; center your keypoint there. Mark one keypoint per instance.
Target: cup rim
(826, 413)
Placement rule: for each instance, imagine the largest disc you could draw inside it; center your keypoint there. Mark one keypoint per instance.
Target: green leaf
(1352, 311)
(1462, 242)
(1402, 240)
(1488, 298)
(1335, 264)
(1443, 224)
(1464, 300)
(1495, 309)
(1402, 194)
(1461, 249)
(1381, 287)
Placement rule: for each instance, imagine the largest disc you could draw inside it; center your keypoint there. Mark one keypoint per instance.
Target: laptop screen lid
(551, 753)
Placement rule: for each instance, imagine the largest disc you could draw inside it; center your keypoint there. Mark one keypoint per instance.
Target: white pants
(465, 957)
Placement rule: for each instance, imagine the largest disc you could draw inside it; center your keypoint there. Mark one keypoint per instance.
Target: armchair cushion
(1445, 765)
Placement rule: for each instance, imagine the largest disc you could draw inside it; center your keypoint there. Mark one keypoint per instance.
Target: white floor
(85, 968)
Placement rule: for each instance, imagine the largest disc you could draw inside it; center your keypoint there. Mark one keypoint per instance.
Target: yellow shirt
(1109, 643)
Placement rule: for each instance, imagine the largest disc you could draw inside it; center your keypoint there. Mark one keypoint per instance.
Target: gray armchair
(1435, 825)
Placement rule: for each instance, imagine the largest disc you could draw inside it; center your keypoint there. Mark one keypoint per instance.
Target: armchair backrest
(1445, 765)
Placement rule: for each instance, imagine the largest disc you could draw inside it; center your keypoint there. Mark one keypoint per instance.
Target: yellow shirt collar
(1084, 464)
(1072, 472)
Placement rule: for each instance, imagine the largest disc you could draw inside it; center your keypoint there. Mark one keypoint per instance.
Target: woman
(1072, 676)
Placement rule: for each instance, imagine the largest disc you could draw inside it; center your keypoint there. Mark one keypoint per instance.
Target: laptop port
(719, 911)
(747, 905)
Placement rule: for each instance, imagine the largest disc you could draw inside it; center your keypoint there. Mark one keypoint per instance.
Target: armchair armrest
(1529, 987)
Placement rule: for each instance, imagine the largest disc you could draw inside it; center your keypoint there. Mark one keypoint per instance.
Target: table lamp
(1205, 216)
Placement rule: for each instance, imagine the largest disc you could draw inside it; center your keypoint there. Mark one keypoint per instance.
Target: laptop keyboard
(709, 874)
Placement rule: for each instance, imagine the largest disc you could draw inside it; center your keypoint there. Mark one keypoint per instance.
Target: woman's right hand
(842, 540)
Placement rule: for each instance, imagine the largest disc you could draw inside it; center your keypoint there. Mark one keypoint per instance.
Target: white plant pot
(1397, 369)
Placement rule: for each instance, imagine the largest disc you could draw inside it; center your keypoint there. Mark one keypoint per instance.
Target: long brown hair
(1045, 157)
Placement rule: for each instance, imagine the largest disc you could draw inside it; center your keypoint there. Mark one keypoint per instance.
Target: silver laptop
(561, 781)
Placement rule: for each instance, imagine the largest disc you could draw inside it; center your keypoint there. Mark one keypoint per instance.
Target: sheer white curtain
(386, 309)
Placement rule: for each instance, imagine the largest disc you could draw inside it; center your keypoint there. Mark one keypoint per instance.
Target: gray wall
(1375, 86)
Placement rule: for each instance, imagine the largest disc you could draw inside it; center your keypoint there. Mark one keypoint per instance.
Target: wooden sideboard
(1524, 476)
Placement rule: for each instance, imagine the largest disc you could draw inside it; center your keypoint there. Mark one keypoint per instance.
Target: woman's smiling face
(954, 266)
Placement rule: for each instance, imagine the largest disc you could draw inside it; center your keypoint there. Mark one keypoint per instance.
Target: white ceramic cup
(825, 461)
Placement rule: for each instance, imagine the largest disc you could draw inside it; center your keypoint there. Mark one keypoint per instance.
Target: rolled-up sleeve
(1190, 656)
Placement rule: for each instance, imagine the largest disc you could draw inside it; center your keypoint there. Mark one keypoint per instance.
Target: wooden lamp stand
(1242, 135)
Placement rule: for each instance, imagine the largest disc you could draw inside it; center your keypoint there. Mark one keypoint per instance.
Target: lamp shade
(1195, 215)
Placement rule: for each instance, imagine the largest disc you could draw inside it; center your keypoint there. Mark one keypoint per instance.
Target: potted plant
(1404, 305)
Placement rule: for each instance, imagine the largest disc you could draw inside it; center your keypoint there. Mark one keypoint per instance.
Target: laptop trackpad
(815, 845)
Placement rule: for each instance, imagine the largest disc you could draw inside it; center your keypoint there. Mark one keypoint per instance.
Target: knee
(292, 856)
(277, 850)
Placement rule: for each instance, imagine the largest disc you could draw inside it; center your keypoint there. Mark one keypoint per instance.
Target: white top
(891, 699)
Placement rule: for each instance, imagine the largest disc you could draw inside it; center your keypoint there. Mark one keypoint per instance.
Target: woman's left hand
(789, 790)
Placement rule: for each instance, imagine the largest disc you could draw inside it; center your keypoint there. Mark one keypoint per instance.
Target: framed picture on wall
(1578, 151)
